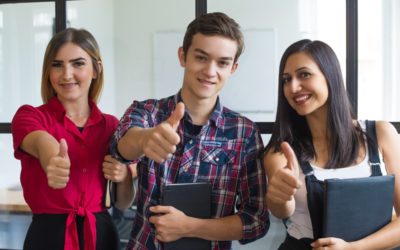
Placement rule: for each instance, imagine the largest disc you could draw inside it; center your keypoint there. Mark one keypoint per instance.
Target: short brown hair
(215, 23)
(85, 40)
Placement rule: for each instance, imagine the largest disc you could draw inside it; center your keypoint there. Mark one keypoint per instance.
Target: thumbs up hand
(292, 163)
(176, 116)
(58, 168)
(285, 181)
(160, 142)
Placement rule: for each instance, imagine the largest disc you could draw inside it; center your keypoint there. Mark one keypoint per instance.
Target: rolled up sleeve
(251, 205)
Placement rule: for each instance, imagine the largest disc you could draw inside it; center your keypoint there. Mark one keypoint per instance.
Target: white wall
(136, 21)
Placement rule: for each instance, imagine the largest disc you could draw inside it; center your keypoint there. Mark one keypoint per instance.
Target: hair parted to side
(344, 137)
(85, 40)
(215, 23)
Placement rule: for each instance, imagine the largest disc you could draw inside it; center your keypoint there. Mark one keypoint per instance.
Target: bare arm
(119, 173)
(126, 190)
(53, 156)
(130, 145)
(125, 193)
(282, 172)
(226, 228)
(156, 143)
(41, 145)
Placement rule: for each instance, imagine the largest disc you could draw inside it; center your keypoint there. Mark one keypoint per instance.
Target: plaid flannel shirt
(225, 153)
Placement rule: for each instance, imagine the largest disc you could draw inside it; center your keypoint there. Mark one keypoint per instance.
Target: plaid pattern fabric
(223, 152)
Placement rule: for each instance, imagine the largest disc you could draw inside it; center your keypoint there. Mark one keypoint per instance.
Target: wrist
(357, 245)
(190, 225)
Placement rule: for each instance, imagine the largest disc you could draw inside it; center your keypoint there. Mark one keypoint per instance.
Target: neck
(317, 123)
(77, 112)
(199, 110)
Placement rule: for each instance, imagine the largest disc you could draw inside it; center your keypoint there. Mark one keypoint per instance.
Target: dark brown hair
(216, 23)
(344, 136)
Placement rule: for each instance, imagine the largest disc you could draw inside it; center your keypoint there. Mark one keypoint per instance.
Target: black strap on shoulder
(373, 152)
(306, 168)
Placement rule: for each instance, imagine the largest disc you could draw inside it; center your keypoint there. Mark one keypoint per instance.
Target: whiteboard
(250, 90)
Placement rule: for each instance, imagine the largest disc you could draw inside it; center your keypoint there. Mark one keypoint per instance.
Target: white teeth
(301, 98)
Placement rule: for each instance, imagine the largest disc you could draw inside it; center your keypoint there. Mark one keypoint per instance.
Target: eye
(305, 75)
(286, 79)
(224, 63)
(56, 64)
(201, 58)
(79, 64)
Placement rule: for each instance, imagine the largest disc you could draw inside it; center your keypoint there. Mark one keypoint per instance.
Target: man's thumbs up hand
(160, 142)
(177, 115)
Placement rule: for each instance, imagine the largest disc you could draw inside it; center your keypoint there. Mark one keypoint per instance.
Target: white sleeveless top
(299, 224)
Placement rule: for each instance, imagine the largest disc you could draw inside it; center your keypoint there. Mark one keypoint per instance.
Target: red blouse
(85, 190)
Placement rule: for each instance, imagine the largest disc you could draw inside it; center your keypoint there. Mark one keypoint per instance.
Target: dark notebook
(194, 199)
(357, 207)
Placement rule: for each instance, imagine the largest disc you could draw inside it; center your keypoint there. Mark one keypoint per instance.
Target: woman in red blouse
(62, 145)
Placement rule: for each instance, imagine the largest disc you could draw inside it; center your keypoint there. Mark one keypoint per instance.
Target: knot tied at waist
(89, 230)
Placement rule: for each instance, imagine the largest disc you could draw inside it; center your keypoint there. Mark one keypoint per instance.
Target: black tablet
(194, 199)
(355, 208)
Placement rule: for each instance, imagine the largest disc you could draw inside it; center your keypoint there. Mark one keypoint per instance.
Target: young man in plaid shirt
(191, 137)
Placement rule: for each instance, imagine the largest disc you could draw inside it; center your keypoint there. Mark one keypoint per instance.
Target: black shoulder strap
(373, 152)
(306, 168)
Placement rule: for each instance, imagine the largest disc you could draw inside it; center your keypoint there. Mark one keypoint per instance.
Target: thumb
(176, 115)
(291, 158)
(63, 148)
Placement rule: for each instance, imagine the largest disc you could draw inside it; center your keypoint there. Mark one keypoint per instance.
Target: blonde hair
(85, 40)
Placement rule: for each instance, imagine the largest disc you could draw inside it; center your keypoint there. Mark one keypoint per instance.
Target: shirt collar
(216, 116)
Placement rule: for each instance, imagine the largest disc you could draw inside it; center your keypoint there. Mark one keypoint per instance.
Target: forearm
(129, 146)
(125, 194)
(221, 229)
(41, 145)
(386, 238)
(279, 210)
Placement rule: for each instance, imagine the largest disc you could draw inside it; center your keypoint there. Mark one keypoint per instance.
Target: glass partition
(379, 60)
(269, 27)
(128, 33)
(25, 30)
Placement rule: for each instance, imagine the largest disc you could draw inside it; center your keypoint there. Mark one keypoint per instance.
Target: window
(379, 59)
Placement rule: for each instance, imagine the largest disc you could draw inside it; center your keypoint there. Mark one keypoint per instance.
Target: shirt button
(191, 142)
(185, 168)
(216, 159)
(84, 170)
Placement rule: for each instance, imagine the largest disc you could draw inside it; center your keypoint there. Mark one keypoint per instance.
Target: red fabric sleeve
(26, 120)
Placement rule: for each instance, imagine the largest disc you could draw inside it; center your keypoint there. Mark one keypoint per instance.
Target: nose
(68, 73)
(210, 69)
(294, 85)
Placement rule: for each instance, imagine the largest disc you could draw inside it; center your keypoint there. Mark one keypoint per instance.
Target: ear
(234, 67)
(181, 56)
(100, 67)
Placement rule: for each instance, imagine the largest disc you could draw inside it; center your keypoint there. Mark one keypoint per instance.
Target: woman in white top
(316, 129)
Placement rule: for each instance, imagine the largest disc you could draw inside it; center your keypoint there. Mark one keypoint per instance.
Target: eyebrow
(72, 60)
(297, 70)
(302, 68)
(226, 58)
